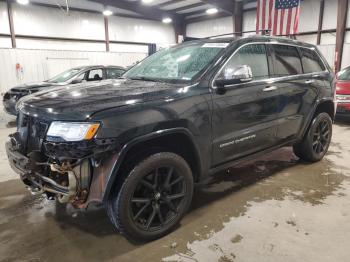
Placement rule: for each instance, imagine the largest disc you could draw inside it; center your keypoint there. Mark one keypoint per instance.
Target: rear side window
(253, 55)
(311, 61)
(286, 60)
(113, 73)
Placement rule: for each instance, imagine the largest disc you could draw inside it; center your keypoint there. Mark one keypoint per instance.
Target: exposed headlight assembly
(73, 131)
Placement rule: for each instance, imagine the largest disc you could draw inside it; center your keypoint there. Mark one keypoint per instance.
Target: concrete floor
(272, 209)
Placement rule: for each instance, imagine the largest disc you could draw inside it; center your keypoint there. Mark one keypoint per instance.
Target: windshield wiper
(142, 78)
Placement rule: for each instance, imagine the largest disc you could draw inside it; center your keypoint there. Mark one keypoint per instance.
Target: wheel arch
(155, 140)
(323, 105)
(326, 106)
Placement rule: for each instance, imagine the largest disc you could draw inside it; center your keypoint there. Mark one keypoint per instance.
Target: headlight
(73, 131)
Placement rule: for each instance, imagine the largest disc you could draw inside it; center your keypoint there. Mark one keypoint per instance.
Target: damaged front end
(71, 172)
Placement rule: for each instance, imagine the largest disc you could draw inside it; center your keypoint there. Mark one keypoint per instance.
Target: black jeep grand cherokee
(139, 144)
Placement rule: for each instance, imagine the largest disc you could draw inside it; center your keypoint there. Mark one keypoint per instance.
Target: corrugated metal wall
(39, 65)
(41, 59)
(211, 27)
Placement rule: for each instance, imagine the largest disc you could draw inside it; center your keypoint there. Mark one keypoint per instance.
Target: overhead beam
(149, 12)
(226, 6)
(320, 22)
(340, 34)
(170, 2)
(198, 12)
(12, 28)
(205, 17)
(188, 7)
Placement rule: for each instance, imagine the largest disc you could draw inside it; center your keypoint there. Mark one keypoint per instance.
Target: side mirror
(236, 75)
(76, 81)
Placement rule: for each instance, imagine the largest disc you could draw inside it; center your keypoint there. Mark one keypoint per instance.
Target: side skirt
(234, 162)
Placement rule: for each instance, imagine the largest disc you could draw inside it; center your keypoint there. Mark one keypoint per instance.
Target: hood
(343, 87)
(33, 87)
(80, 102)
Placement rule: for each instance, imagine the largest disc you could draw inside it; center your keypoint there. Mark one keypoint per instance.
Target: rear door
(245, 116)
(297, 90)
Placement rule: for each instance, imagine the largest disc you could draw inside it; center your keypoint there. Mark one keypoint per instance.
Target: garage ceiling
(181, 11)
(178, 10)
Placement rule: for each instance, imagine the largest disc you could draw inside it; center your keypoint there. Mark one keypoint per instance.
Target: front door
(245, 117)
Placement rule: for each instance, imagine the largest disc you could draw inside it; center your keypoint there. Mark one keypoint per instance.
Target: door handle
(270, 88)
(309, 81)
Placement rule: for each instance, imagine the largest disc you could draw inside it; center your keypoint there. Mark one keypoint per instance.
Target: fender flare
(125, 149)
(310, 117)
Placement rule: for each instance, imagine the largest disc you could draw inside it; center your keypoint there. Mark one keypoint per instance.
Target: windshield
(180, 63)
(65, 76)
(344, 74)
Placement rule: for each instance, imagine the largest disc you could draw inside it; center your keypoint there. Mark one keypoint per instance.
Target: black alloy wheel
(153, 197)
(321, 137)
(315, 144)
(157, 198)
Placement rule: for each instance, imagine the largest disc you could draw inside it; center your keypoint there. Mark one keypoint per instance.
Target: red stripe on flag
(296, 20)
(258, 17)
(281, 22)
(289, 20)
(263, 14)
(275, 20)
(270, 14)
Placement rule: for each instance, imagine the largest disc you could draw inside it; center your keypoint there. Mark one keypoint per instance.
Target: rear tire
(153, 198)
(316, 142)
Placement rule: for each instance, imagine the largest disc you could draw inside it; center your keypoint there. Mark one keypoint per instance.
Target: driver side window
(80, 78)
(253, 56)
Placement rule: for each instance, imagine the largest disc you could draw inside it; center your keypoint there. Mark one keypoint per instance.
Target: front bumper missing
(83, 183)
(37, 182)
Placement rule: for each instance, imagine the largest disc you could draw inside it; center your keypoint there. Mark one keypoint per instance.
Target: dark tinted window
(113, 73)
(286, 60)
(344, 75)
(311, 61)
(253, 56)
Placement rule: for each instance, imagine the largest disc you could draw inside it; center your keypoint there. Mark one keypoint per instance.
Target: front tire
(153, 198)
(316, 142)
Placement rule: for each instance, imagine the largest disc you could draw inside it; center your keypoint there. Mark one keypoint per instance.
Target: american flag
(281, 17)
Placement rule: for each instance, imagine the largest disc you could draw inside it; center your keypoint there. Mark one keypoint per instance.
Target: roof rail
(264, 32)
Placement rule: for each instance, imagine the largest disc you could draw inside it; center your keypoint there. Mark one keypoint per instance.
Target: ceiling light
(23, 2)
(107, 12)
(212, 11)
(147, 1)
(167, 20)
